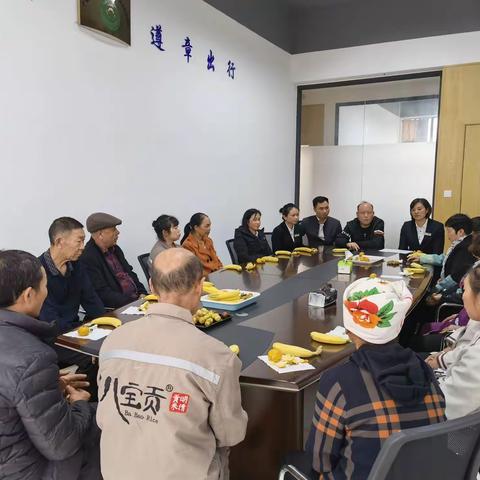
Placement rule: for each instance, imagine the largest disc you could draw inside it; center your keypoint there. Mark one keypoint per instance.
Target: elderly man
(366, 232)
(382, 389)
(69, 286)
(112, 276)
(47, 426)
(321, 229)
(169, 394)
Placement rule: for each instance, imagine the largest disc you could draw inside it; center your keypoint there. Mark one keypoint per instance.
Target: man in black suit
(321, 229)
(112, 276)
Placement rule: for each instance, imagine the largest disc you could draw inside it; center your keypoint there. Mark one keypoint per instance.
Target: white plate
(219, 305)
(371, 260)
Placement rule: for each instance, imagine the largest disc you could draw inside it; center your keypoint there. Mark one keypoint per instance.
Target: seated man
(321, 229)
(366, 232)
(47, 426)
(382, 389)
(69, 287)
(112, 276)
(169, 394)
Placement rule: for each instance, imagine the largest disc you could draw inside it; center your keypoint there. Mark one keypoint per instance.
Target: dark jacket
(282, 240)
(249, 247)
(37, 425)
(460, 260)
(364, 237)
(103, 279)
(331, 229)
(381, 389)
(433, 241)
(66, 293)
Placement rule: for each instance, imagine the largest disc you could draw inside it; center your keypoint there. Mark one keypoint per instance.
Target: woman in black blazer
(288, 235)
(422, 233)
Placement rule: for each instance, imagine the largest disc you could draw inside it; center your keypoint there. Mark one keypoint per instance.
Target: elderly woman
(250, 242)
(196, 239)
(461, 383)
(381, 389)
(166, 228)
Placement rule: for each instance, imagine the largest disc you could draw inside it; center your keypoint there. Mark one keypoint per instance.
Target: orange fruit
(274, 355)
(83, 331)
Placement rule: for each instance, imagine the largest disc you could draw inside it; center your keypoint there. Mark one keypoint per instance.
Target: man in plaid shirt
(382, 389)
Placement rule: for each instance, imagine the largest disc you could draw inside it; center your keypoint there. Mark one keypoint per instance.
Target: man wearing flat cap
(383, 388)
(112, 276)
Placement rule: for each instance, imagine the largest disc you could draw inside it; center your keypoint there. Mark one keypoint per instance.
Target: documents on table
(287, 369)
(132, 311)
(95, 333)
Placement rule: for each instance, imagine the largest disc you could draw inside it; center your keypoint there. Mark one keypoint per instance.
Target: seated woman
(288, 235)
(461, 383)
(421, 232)
(197, 240)
(381, 389)
(166, 228)
(249, 241)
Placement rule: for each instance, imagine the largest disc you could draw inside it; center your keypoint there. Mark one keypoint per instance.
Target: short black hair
(287, 208)
(318, 200)
(424, 202)
(164, 223)
(459, 221)
(62, 225)
(181, 280)
(19, 270)
(474, 277)
(248, 215)
(476, 224)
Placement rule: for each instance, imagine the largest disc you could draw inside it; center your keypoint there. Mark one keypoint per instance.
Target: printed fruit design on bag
(368, 314)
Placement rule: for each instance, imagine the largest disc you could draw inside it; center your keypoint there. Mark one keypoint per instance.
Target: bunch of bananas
(305, 251)
(209, 287)
(413, 269)
(268, 259)
(326, 338)
(206, 317)
(233, 266)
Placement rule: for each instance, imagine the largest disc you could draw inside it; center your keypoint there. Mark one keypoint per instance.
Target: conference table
(279, 405)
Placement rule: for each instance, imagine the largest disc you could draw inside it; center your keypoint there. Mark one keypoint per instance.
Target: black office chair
(231, 251)
(268, 236)
(446, 309)
(449, 450)
(144, 262)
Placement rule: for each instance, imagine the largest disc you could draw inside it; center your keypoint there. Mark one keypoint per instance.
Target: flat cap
(99, 220)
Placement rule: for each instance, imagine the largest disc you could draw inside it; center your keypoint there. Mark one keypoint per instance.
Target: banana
(286, 253)
(325, 338)
(237, 268)
(413, 271)
(250, 266)
(307, 250)
(270, 259)
(209, 287)
(416, 265)
(225, 295)
(296, 351)
(260, 260)
(110, 321)
(150, 298)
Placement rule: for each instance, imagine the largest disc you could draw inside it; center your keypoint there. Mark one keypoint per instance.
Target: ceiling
(300, 26)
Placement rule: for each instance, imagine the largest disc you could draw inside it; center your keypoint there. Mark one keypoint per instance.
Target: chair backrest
(444, 450)
(268, 236)
(145, 264)
(231, 251)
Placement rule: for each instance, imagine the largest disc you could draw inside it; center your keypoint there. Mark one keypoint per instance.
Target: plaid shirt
(352, 419)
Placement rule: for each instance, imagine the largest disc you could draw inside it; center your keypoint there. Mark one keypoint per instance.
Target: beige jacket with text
(169, 400)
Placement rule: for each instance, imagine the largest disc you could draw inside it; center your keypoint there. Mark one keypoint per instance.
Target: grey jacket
(461, 384)
(37, 425)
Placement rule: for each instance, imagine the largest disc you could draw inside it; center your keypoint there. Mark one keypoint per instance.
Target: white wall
(90, 126)
(420, 54)
(381, 174)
